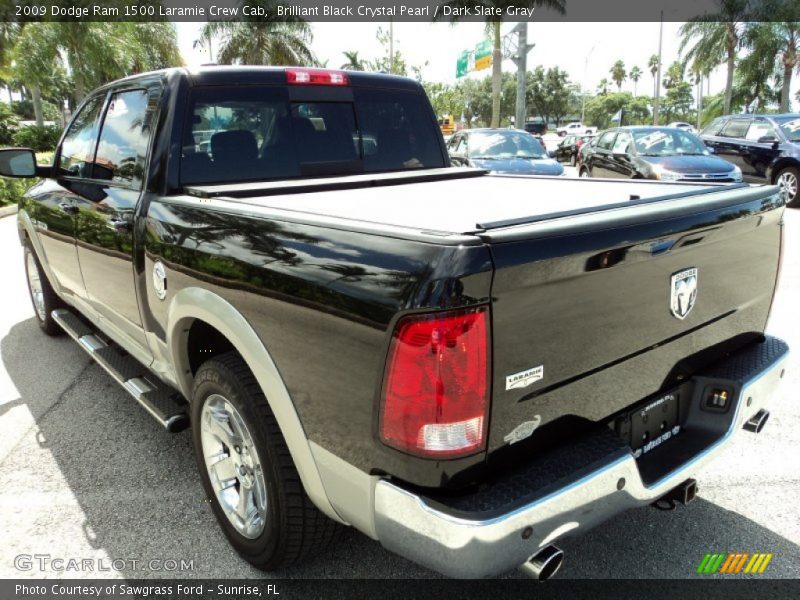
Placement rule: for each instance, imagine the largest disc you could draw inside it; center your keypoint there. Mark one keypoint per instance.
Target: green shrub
(8, 124)
(11, 190)
(40, 138)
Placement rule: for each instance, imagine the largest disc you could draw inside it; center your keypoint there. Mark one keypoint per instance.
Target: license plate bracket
(651, 423)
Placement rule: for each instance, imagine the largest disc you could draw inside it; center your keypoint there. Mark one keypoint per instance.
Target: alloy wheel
(233, 465)
(788, 183)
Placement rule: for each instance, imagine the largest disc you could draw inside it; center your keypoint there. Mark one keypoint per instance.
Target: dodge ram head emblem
(683, 292)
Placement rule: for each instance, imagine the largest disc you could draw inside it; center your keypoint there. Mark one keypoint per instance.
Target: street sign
(462, 64)
(474, 60)
(483, 55)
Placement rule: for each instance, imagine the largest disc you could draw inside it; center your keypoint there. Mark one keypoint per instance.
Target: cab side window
(124, 138)
(77, 150)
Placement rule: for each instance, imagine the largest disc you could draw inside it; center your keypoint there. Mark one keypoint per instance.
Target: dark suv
(765, 147)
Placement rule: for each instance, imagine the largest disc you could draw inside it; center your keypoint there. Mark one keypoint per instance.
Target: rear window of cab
(257, 133)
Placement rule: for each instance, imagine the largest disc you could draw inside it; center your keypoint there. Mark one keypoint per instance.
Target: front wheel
(247, 471)
(43, 297)
(788, 180)
(584, 173)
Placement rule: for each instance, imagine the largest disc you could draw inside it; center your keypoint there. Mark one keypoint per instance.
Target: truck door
(56, 200)
(106, 206)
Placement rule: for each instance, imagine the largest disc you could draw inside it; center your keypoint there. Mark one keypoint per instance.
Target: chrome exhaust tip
(757, 421)
(545, 564)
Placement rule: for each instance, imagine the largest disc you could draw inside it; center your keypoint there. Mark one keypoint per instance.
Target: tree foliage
(601, 109)
(549, 94)
(262, 40)
(712, 40)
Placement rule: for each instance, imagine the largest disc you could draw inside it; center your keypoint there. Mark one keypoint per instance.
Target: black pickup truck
(466, 367)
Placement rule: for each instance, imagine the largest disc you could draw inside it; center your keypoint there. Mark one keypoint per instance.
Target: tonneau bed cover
(454, 201)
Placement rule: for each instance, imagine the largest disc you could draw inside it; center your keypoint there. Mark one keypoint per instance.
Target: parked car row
(751, 148)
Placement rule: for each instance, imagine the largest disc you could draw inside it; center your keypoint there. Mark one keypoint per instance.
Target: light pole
(658, 73)
(585, 72)
(391, 46)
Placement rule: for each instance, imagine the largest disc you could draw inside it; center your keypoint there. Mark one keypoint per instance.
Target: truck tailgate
(583, 318)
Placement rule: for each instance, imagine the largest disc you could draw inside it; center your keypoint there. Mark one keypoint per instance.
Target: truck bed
(454, 201)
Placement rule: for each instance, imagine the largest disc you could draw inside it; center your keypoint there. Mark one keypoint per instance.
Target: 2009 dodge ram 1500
(465, 367)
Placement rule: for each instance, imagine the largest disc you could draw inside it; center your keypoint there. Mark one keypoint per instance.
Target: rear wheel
(247, 471)
(584, 173)
(43, 297)
(789, 181)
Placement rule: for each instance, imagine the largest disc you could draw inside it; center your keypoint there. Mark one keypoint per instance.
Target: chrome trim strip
(461, 547)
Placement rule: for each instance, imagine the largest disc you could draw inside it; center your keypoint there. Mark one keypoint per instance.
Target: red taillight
(435, 392)
(315, 77)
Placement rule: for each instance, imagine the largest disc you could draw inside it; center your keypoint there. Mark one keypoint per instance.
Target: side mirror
(17, 162)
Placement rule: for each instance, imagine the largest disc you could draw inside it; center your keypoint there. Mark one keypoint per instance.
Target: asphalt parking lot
(85, 473)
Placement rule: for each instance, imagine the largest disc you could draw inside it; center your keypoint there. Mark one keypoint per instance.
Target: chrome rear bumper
(459, 546)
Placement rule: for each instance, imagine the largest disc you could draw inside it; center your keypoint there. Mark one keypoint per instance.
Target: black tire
(49, 299)
(293, 528)
(562, 134)
(791, 172)
(584, 173)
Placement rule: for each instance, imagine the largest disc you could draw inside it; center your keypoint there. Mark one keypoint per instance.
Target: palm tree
(618, 74)
(34, 60)
(153, 45)
(493, 24)
(777, 38)
(714, 39)
(634, 75)
(602, 87)
(674, 75)
(97, 52)
(353, 62)
(262, 41)
(653, 63)
(8, 36)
